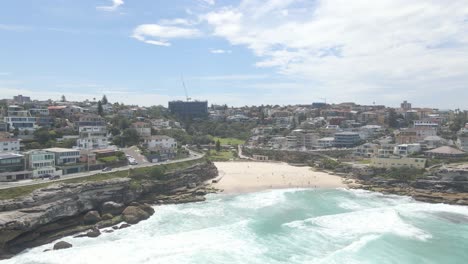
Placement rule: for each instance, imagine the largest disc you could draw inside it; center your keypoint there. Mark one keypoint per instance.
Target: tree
(42, 135)
(218, 146)
(16, 132)
(129, 137)
(104, 100)
(392, 119)
(100, 109)
(63, 99)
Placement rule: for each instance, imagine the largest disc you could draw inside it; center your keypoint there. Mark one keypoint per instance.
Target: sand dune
(241, 177)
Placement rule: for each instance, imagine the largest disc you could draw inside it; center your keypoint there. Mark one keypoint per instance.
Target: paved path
(7, 185)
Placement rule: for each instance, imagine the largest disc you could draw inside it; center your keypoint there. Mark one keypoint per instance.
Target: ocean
(280, 226)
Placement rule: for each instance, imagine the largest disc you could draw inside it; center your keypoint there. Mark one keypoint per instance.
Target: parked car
(45, 176)
(107, 169)
(54, 177)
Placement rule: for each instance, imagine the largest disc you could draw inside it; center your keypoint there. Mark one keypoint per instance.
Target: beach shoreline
(245, 177)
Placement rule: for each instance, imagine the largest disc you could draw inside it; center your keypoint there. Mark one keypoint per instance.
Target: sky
(247, 52)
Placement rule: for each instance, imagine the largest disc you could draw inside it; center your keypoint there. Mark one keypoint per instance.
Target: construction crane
(185, 89)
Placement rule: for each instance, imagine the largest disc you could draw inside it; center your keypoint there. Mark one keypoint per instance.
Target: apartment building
(41, 163)
(12, 167)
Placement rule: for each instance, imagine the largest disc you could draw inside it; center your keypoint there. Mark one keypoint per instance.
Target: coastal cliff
(64, 209)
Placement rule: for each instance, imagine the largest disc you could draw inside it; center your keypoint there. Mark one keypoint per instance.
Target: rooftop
(60, 150)
(446, 150)
(10, 156)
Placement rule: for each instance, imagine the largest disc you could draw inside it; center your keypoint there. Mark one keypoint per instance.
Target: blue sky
(246, 52)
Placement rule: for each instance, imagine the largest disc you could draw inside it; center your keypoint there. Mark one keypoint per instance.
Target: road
(6, 185)
(136, 154)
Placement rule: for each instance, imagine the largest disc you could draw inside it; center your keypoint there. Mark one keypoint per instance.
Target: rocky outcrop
(134, 214)
(112, 208)
(62, 245)
(91, 217)
(65, 209)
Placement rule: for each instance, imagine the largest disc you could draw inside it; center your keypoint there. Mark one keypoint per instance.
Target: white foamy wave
(262, 199)
(355, 224)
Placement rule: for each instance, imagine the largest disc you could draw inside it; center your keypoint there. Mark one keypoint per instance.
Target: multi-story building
(12, 167)
(304, 139)
(346, 139)
(414, 135)
(143, 129)
(406, 149)
(398, 162)
(9, 145)
(326, 142)
(405, 105)
(462, 141)
(162, 144)
(67, 160)
(41, 163)
(20, 99)
(20, 119)
(93, 133)
(189, 109)
(366, 150)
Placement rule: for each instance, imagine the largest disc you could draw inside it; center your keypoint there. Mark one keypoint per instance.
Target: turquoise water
(281, 226)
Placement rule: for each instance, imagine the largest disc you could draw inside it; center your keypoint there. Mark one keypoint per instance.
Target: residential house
(161, 144)
(445, 152)
(67, 160)
(406, 149)
(41, 163)
(462, 141)
(12, 167)
(366, 150)
(143, 129)
(93, 133)
(9, 145)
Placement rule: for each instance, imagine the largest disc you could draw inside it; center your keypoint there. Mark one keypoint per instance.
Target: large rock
(91, 217)
(147, 208)
(134, 214)
(112, 208)
(62, 245)
(93, 233)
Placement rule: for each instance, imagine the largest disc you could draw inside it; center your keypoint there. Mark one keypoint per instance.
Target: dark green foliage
(218, 146)
(104, 100)
(100, 109)
(158, 173)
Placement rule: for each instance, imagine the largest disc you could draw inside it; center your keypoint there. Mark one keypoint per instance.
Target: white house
(163, 144)
(406, 149)
(9, 145)
(41, 163)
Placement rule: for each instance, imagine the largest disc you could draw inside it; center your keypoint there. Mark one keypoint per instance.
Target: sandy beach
(241, 177)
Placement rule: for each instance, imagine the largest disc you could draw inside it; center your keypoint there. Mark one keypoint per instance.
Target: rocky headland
(65, 209)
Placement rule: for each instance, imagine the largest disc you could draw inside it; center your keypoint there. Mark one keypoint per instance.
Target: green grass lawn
(229, 141)
(224, 155)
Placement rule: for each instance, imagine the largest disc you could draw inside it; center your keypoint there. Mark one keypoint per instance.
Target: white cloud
(176, 22)
(159, 35)
(370, 49)
(113, 7)
(209, 2)
(220, 51)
